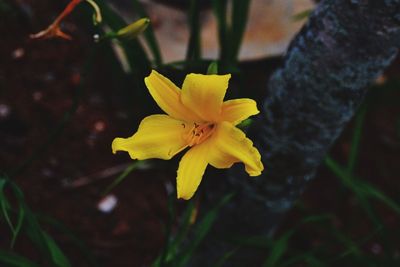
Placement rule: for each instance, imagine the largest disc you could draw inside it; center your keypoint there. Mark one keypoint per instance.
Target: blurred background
(66, 200)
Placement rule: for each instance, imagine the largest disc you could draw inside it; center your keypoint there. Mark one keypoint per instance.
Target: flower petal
(231, 145)
(204, 94)
(167, 96)
(237, 110)
(158, 136)
(191, 169)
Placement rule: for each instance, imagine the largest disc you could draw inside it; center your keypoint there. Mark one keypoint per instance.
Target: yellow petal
(237, 110)
(158, 136)
(191, 169)
(204, 94)
(230, 145)
(167, 96)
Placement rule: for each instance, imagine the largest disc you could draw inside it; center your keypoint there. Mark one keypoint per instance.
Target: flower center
(198, 132)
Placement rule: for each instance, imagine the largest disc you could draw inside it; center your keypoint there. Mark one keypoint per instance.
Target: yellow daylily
(197, 118)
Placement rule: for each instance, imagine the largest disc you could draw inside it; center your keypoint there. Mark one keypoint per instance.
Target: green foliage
(133, 166)
(14, 260)
(194, 48)
(230, 35)
(6, 209)
(212, 68)
(182, 245)
(177, 252)
(26, 221)
(302, 15)
(5, 8)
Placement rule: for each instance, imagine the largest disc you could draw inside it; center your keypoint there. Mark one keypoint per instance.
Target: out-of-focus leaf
(240, 10)
(7, 209)
(220, 9)
(10, 259)
(212, 68)
(57, 255)
(302, 15)
(194, 50)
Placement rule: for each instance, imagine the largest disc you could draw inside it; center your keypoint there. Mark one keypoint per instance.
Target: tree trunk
(344, 47)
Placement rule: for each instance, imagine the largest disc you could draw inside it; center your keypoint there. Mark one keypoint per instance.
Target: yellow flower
(197, 119)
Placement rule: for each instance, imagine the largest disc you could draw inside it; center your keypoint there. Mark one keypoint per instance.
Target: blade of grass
(349, 182)
(193, 52)
(278, 250)
(361, 188)
(6, 209)
(225, 257)
(46, 244)
(123, 175)
(181, 235)
(14, 260)
(58, 257)
(79, 243)
(363, 191)
(29, 223)
(299, 258)
(168, 230)
(220, 10)
(355, 143)
(240, 11)
(200, 232)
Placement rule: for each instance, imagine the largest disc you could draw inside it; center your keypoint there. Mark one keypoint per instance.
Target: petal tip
(115, 145)
(184, 196)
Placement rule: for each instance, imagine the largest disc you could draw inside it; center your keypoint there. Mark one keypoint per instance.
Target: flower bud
(133, 30)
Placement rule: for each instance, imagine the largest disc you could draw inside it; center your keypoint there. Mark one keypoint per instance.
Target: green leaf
(201, 231)
(27, 221)
(302, 15)
(6, 208)
(182, 233)
(194, 50)
(212, 68)
(240, 10)
(278, 250)
(361, 188)
(355, 143)
(220, 9)
(58, 257)
(123, 175)
(225, 257)
(14, 260)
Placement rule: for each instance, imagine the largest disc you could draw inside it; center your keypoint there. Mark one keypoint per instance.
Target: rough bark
(345, 45)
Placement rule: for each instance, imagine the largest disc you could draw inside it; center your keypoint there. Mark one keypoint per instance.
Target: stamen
(199, 133)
